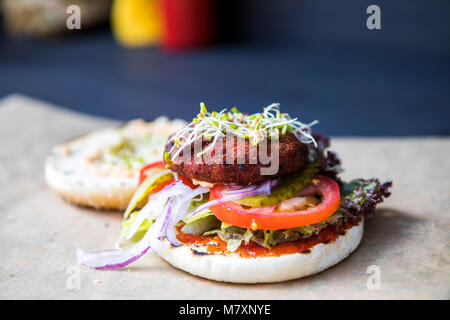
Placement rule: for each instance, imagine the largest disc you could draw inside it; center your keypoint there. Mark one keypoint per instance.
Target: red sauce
(326, 235)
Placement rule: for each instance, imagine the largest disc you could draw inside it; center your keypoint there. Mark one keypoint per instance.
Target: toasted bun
(233, 268)
(70, 173)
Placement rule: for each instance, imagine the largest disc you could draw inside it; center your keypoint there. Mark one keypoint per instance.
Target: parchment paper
(407, 240)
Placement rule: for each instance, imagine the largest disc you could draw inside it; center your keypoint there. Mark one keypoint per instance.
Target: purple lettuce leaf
(361, 196)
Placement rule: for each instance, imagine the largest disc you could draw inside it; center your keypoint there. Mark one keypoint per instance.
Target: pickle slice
(290, 186)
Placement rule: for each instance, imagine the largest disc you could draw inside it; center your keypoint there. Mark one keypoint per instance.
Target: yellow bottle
(136, 23)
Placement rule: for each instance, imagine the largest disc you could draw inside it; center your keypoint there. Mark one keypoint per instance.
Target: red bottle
(187, 23)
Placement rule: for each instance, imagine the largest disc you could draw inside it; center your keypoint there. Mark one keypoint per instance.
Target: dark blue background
(316, 58)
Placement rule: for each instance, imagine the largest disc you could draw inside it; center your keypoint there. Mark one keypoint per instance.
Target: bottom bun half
(237, 269)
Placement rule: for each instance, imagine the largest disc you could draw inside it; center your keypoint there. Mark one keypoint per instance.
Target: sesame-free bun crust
(103, 186)
(233, 268)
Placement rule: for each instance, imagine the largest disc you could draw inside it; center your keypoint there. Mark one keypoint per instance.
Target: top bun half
(101, 169)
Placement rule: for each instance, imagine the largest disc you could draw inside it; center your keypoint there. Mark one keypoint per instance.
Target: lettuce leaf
(155, 177)
(141, 231)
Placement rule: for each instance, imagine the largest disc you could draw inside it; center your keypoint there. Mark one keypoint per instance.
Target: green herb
(258, 126)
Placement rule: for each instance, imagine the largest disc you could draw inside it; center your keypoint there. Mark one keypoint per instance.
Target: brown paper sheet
(407, 241)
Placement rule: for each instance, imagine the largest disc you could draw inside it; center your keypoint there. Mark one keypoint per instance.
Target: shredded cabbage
(139, 221)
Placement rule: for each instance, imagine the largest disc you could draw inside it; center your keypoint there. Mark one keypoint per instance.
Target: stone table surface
(407, 241)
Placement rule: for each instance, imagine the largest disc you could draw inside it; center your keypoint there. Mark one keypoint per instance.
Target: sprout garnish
(255, 127)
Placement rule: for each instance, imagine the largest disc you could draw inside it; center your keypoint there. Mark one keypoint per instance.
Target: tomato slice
(185, 181)
(143, 175)
(161, 186)
(161, 164)
(268, 219)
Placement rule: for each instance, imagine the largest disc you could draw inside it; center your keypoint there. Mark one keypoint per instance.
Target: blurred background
(143, 58)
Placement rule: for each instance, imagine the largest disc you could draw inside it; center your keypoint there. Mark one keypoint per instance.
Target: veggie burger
(246, 198)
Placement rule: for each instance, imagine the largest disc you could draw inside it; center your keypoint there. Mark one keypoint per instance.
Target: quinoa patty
(292, 158)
